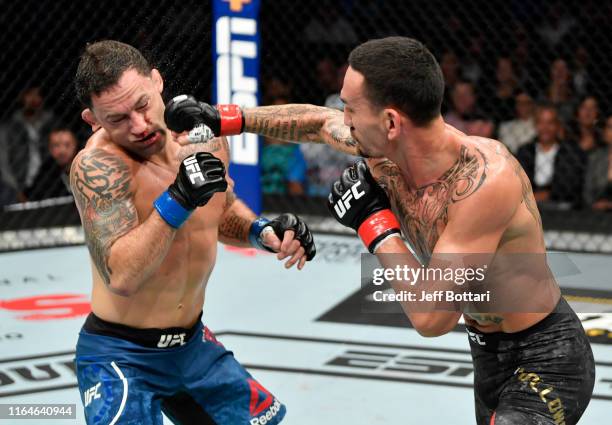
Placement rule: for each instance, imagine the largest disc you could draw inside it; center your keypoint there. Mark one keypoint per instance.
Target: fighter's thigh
(227, 392)
(114, 393)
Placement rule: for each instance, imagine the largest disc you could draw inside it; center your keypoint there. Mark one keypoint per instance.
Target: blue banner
(236, 76)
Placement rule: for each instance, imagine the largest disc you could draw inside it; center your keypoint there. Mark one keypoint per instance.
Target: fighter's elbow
(429, 332)
(121, 288)
(428, 327)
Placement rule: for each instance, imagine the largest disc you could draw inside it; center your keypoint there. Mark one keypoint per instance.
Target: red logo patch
(257, 394)
(210, 337)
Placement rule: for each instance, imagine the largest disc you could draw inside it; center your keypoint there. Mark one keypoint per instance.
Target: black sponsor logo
(382, 362)
(40, 373)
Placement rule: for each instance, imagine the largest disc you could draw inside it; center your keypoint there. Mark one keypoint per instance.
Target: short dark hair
(401, 72)
(101, 66)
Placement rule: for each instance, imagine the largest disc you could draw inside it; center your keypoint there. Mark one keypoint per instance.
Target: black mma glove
(358, 202)
(281, 224)
(184, 112)
(200, 176)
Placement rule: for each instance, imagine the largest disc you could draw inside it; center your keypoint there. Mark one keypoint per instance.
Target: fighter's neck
(426, 154)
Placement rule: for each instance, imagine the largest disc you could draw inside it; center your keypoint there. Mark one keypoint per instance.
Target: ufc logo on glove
(191, 164)
(344, 204)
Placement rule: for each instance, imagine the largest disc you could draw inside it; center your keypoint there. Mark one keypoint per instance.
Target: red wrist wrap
(378, 224)
(232, 121)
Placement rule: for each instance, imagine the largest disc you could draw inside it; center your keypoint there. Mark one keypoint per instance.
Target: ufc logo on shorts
(169, 340)
(477, 338)
(344, 204)
(192, 166)
(91, 394)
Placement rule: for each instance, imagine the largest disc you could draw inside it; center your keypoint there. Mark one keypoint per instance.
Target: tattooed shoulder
(101, 185)
(526, 189)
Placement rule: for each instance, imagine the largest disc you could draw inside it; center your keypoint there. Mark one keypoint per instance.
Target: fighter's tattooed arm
(217, 146)
(101, 186)
(526, 189)
(124, 252)
(302, 123)
(235, 221)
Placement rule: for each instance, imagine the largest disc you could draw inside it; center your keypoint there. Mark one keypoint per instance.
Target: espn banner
(236, 73)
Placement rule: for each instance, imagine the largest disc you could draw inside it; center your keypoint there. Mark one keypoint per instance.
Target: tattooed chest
(423, 212)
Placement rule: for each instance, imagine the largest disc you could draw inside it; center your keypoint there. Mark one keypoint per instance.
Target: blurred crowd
(538, 91)
(535, 84)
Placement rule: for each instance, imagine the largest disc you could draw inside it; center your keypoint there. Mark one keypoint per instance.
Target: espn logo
(237, 48)
(193, 168)
(344, 204)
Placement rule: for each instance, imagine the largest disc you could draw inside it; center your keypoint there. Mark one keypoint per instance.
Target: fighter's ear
(90, 118)
(393, 123)
(157, 80)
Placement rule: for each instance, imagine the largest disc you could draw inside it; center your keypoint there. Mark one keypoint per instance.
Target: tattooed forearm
(214, 145)
(234, 227)
(101, 184)
(230, 197)
(301, 123)
(288, 122)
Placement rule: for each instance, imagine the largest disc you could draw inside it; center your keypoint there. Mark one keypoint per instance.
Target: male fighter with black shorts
(152, 235)
(449, 193)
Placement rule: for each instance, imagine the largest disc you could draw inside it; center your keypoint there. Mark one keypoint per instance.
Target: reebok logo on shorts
(263, 406)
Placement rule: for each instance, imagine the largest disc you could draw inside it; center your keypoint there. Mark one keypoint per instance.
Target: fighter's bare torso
(174, 295)
(424, 212)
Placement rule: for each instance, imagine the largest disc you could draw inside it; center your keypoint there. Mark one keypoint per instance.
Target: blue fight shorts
(129, 376)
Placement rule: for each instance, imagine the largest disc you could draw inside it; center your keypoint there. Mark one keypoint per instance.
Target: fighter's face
(132, 112)
(363, 118)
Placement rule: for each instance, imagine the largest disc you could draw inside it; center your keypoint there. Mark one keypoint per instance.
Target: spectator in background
(585, 132)
(327, 78)
(556, 25)
(500, 97)
(274, 88)
(22, 142)
(581, 78)
(464, 114)
(451, 71)
(598, 178)
(333, 100)
(52, 180)
(329, 26)
(559, 91)
(521, 130)
(471, 68)
(555, 168)
(283, 168)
